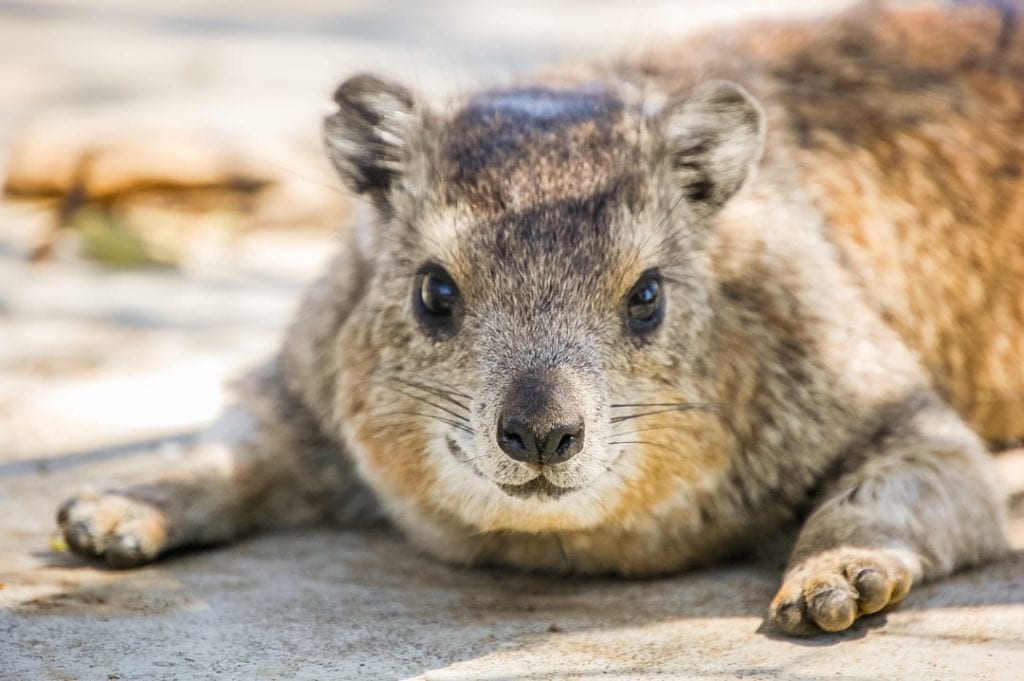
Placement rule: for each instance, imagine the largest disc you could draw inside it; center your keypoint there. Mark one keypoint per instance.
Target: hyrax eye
(436, 300)
(645, 304)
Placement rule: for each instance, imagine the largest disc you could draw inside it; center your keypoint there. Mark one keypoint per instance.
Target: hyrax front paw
(830, 590)
(121, 531)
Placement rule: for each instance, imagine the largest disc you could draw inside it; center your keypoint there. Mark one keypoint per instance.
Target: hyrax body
(628, 319)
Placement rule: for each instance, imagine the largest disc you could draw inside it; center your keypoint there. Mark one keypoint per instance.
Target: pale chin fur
(471, 488)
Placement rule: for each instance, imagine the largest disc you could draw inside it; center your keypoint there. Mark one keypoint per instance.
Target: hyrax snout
(540, 421)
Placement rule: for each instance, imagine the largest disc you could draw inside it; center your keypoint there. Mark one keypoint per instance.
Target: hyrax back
(627, 319)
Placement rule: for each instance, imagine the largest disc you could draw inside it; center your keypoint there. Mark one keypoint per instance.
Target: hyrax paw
(121, 531)
(832, 589)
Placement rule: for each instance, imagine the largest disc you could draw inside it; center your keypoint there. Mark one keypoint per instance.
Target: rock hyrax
(631, 317)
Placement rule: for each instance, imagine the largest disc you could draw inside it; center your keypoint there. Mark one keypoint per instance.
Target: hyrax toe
(120, 531)
(828, 592)
(831, 602)
(877, 588)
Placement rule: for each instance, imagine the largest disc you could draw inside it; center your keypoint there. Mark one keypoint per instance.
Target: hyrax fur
(630, 318)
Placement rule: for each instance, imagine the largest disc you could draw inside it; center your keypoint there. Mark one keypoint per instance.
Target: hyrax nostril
(563, 443)
(516, 439)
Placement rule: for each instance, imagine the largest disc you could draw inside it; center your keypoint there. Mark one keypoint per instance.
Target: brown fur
(820, 317)
(905, 128)
(952, 286)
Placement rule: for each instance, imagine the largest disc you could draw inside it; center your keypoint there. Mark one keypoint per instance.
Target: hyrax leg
(262, 465)
(922, 504)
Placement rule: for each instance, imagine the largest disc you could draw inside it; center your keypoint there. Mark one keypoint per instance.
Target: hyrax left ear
(714, 138)
(368, 139)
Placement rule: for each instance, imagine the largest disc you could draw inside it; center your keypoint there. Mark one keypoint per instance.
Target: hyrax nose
(539, 421)
(520, 441)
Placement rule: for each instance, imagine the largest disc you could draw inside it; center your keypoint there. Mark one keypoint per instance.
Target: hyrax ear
(369, 137)
(714, 138)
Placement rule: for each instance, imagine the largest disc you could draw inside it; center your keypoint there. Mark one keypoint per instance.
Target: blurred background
(165, 197)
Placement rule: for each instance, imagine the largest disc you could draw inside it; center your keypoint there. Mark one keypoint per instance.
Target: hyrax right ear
(368, 139)
(714, 138)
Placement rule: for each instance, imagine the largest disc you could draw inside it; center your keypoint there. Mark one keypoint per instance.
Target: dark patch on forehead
(550, 252)
(573, 229)
(517, 148)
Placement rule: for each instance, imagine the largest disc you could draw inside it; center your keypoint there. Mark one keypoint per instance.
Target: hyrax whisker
(561, 549)
(451, 422)
(419, 398)
(680, 408)
(660, 445)
(624, 433)
(439, 390)
(457, 466)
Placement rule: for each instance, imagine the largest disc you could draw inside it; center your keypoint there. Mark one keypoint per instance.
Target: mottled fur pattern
(826, 317)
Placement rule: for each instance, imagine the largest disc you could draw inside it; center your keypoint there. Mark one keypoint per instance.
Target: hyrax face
(525, 352)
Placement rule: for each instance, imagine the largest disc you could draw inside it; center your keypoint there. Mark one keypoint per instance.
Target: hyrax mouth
(538, 487)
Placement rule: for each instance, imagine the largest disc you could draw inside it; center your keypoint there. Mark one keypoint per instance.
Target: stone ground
(105, 373)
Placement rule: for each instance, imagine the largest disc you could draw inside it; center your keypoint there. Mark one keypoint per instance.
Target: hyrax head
(525, 353)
